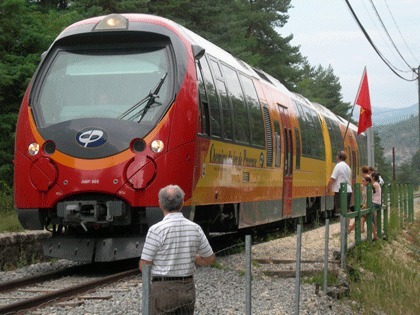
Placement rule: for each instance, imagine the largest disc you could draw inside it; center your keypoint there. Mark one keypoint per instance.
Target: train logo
(91, 138)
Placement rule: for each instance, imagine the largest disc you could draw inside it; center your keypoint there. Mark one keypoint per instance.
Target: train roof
(227, 57)
(88, 25)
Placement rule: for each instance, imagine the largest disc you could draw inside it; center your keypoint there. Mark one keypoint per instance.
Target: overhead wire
(386, 61)
(399, 31)
(389, 36)
(380, 32)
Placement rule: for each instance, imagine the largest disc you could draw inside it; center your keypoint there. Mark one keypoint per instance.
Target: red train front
(106, 114)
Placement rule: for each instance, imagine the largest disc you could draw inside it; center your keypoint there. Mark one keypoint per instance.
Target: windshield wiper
(150, 99)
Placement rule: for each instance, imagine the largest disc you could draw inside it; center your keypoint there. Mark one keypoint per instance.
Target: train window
(241, 127)
(269, 134)
(226, 110)
(311, 132)
(215, 118)
(216, 69)
(290, 152)
(354, 164)
(320, 137)
(298, 153)
(335, 135)
(105, 82)
(362, 147)
(203, 101)
(349, 157)
(277, 135)
(255, 115)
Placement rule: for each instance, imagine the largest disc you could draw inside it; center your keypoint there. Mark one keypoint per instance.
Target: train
(124, 104)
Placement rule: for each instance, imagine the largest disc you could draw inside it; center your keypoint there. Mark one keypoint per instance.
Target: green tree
(415, 168)
(7, 128)
(245, 28)
(409, 172)
(381, 165)
(26, 30)
(322, 86)
(91, 8)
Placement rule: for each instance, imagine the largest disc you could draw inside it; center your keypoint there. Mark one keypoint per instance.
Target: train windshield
(105, 83)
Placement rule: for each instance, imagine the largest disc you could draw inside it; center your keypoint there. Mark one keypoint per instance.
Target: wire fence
(234, 286)
(240, 271)
(397, 207)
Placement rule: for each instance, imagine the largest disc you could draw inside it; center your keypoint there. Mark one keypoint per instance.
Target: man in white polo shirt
(173, 247)
(340, 174)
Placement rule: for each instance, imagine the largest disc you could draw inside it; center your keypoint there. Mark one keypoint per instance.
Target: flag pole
(352, 109)
(370, 147)
(348, 124)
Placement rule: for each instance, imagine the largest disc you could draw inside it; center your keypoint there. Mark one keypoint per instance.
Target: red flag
(363, 100)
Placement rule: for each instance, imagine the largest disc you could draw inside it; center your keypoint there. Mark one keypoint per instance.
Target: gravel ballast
(220, 290)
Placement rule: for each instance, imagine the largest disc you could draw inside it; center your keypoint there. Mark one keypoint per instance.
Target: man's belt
(166, 278)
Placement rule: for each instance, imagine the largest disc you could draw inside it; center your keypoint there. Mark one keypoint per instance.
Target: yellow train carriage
(312, 160)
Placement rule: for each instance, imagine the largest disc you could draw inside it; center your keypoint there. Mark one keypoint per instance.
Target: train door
(288, 161)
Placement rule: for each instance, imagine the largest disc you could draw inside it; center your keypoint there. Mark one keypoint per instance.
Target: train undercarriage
(99, 228)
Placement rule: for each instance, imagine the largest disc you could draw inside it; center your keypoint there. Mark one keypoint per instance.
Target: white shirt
(172, 245)
(377, 195)
(341, 174)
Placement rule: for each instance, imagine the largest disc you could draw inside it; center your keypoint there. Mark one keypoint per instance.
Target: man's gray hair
(171, 197)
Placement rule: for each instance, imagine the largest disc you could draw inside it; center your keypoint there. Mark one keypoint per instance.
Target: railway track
(19, 296)
(274, 261)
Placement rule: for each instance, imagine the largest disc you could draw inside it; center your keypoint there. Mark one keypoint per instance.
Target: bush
(6, 197)
(9, 221)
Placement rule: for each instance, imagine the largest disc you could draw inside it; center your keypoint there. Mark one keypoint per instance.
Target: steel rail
(17, 283)
(64, 294)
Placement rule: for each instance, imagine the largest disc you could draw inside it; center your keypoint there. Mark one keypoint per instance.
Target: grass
(332, 279)
(384, 276)
(9, 221)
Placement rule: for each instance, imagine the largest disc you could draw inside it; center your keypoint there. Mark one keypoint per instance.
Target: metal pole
(386, 209)
(370, 147)
(411, 202)
(327, 234)
(418, 90)
(393, 163)
(146, 275)
(370, 214)
(248, 274)
(343, 223)
(297, 279)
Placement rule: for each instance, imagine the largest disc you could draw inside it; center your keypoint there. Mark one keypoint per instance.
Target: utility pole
(418, 87)
(370, 147)
(418, 100)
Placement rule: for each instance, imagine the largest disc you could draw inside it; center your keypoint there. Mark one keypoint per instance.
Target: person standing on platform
(366, 180)
(376, 201)
(341, 174)
(173, 247)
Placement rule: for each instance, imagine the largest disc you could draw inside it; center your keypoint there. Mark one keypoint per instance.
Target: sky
(328, 34)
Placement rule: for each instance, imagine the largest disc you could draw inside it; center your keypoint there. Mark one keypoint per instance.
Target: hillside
(386, 116)
(403, 136)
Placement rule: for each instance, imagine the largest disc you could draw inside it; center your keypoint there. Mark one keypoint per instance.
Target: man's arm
(330, 183)
(205, 261)
(143, 262)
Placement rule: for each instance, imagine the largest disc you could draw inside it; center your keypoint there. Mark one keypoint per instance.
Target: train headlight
(157, 146)
(33, 149)
(112, 21)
